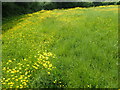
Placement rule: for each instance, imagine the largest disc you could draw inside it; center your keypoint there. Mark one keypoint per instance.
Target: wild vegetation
(65, 48)
(19, 8)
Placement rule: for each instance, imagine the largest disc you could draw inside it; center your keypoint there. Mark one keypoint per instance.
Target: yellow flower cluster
(29, 14)
(18, 76)
(43, 59)
(59, 83)
(14, 77)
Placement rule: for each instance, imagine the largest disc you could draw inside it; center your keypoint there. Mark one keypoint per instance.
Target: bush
(17, 8)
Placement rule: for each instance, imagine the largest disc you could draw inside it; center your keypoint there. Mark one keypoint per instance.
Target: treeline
(17, 8)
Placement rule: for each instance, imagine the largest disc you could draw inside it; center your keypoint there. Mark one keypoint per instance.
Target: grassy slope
(71, 48)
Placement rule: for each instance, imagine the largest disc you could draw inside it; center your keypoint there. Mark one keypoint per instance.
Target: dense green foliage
(17, 8)
(68, 48)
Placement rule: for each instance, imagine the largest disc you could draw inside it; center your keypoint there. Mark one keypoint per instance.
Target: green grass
(68, 48)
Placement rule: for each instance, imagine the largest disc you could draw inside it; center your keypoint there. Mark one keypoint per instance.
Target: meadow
(61, 48)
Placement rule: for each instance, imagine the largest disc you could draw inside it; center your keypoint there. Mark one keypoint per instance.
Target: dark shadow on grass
(10, 22)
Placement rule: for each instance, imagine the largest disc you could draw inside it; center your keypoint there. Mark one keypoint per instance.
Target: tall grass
(68, 48)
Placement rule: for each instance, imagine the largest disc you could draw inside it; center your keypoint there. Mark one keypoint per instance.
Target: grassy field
(67, 48)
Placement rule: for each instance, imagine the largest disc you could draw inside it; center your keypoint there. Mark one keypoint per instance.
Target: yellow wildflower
(49, 69)
(36, 64)
(4, 68)
(88, 85)
(48, 72)
(3, 83)
(21, 76)
(17, 86)
(54, 81)
(27, 65)
(16, 79)
(6, 80)
(50, 65)
(9, 60)
(3, 78)
(10, 83)
(14, 59)
(13, 71)
(45, 65)
(17, 70)
(24, 83)
(26, 73)
(13, 78)
(35, 67)
(7, 63)
(29, 75)
(48, 62)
